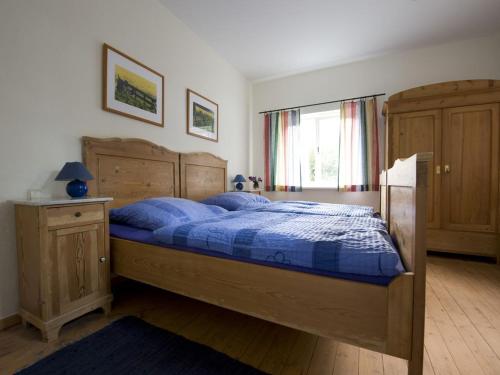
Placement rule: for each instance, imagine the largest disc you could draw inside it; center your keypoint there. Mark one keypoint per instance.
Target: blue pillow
(235, 200)
(155, 213)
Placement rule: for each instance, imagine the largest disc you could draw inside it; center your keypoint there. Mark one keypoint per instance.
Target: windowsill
(319, 188)
(306, 188)
(323, 189)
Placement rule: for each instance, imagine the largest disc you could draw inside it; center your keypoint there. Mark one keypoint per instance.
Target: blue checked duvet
(331, 244)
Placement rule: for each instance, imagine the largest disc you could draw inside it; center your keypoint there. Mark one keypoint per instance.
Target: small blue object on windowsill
(239, 179)
(77, 174)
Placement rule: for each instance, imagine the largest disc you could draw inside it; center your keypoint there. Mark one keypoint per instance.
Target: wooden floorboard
(462, 329)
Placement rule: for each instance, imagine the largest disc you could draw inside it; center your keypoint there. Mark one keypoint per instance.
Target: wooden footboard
(403, 206)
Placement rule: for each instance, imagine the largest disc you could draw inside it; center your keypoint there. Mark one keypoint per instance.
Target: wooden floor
(462, 329)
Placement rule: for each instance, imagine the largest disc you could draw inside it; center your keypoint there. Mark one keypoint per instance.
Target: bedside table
(63, 261)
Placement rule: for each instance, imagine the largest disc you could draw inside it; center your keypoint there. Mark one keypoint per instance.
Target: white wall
(50, 95)
(468, 59)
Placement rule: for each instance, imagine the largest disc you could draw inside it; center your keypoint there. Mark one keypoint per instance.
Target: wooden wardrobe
(459, 122)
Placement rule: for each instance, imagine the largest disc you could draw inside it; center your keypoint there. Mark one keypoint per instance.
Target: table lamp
(77, 174)
(239, 179)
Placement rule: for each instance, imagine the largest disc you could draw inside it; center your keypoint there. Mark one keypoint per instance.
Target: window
(333, 149)
(319, 135)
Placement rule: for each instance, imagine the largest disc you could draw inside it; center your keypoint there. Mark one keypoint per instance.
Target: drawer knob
(102, 259)
(78, 214)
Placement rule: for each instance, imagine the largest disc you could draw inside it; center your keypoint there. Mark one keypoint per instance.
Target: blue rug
(132, 346)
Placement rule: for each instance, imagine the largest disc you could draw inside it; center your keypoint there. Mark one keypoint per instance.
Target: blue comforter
(313, 208)
(330, 244)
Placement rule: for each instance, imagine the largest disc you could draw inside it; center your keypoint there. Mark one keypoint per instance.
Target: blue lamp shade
(239, 179)
(77, 174)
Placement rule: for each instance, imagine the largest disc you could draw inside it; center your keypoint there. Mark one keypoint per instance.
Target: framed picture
(131, 89)
(202, 116)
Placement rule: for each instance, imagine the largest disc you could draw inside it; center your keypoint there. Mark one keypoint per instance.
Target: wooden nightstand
(63, 261)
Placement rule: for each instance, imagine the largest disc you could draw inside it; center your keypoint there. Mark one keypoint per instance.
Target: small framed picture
(202, 116)
(131, 89)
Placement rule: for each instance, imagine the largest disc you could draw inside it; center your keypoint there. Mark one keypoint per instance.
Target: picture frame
(132, 89)
(202, 116)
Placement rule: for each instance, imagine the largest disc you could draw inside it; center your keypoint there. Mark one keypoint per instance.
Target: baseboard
(9, 321)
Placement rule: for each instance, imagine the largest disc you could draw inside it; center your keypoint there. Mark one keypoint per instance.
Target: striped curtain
(359, 164)
(282, 152)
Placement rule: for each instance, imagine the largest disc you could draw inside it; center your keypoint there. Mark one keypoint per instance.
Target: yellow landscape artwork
(132, 89)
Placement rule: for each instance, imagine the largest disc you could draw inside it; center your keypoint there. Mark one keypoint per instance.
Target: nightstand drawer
(69, 215)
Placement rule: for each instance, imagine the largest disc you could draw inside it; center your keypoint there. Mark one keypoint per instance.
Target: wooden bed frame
(388, 319)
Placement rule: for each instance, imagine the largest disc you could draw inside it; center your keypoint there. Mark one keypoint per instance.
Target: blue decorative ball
(77, 189)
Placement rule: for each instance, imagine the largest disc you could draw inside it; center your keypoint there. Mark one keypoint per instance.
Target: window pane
(320, 148)
(329, 150)
(308, 146)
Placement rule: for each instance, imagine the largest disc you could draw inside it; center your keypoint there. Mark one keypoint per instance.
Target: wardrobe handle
(447, 169)
(438, 169)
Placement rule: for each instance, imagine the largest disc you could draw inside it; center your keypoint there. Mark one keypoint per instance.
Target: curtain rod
(315, 104)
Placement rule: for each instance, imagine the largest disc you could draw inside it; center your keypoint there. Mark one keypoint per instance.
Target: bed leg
(416, 366)
(416, 363)
(106, 308)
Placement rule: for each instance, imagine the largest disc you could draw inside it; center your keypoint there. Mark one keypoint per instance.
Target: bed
(385, 318)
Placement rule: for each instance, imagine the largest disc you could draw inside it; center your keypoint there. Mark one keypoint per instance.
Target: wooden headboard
(133, 169)
(130, 169)
(202, 175)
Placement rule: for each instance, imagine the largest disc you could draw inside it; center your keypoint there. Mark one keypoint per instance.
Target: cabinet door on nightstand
(76, 274)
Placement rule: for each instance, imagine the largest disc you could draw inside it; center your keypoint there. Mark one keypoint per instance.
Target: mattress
(356, 249)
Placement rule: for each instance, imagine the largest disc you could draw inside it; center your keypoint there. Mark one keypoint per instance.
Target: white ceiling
(269, 38)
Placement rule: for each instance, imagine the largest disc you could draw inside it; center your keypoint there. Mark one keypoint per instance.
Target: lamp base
(239, 186)
(76, 189)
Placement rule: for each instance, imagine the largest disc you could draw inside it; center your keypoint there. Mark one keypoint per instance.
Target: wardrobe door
(470, 166)
(420, 132)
